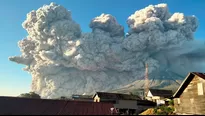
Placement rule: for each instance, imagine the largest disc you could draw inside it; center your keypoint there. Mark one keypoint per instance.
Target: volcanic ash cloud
(63, 61)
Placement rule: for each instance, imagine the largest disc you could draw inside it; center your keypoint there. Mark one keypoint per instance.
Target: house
(158, 95)
(124, 102)
(190, 96)
(140, 93)
(82, 98)
(112, 97)
(28, 106)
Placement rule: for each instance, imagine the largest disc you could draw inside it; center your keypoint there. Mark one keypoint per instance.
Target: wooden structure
(190, 96)
(132, 104)
(158, 95)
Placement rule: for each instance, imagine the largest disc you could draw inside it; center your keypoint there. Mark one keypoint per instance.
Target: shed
(124, 102)
(104, 97)
(158, 95)
(190, 96)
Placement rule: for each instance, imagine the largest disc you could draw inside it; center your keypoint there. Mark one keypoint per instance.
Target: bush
(155, 110)
(163, 110)
(171, 102)
(30, 95)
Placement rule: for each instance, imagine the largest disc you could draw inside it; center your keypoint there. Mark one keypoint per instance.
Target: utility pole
(146, 84)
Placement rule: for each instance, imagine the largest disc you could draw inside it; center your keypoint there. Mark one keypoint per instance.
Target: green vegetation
(163, 110)
(171, 102)
(30, 95)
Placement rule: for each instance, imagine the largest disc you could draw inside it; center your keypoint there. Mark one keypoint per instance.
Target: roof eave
(180, 87)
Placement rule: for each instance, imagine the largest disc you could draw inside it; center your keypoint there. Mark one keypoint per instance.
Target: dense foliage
(30, 95)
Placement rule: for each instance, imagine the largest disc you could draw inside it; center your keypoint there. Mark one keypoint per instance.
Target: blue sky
(13, 80)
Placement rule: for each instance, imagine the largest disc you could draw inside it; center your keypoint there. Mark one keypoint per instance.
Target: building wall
(140, 93)
(192, 100)
(124, 104)
(130, 104)
(96, 99)
(127, 104)
(149, 94)
(159, 100)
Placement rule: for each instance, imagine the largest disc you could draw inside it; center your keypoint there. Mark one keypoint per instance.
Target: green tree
(171, 102)
(30, 95)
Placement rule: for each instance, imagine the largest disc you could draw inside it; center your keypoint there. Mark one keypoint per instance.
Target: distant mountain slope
(160, 84)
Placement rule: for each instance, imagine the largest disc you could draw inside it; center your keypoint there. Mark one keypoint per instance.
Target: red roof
(27, 106)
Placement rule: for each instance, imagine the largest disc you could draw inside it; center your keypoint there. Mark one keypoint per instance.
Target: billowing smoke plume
(63, 61)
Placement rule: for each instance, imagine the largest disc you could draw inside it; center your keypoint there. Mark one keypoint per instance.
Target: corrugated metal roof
(27, 106)
(117, 96)
(82, 97)
(160, 92)
(146, 103)
(202, 75)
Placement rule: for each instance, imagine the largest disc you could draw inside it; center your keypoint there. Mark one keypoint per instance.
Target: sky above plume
(14, 81)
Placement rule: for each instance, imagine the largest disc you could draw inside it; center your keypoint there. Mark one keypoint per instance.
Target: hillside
(159, 84)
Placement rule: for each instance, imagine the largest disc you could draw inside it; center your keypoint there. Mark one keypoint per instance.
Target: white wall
(160, 102)
(149, 94)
